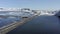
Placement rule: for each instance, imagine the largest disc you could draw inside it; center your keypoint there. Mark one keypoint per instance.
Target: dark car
(58, 14)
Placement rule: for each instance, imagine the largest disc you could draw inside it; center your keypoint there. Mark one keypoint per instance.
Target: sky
(32, 4)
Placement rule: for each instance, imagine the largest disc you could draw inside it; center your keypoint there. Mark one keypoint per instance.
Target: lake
(8, 20)
(41, 25)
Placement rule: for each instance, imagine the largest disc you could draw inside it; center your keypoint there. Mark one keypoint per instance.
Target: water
(41, 25)
(8, 20)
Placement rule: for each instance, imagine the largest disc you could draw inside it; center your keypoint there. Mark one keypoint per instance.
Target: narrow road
(41, 25)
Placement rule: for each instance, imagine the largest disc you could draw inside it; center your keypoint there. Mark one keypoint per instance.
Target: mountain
(9, 9)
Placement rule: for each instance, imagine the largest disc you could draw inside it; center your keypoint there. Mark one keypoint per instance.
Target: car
(58, 14)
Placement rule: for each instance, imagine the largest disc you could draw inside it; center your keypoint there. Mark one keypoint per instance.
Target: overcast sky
(33, 4)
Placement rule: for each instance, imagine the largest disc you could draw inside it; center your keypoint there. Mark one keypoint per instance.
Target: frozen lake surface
(41, 24)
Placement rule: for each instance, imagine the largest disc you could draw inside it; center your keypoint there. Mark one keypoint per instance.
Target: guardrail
(12, 26)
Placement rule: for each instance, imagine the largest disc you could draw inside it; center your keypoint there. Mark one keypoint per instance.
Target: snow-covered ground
(17, 13)
(27, 13)
(48, 12)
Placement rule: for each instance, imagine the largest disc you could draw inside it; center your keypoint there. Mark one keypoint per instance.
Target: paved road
(42, 24)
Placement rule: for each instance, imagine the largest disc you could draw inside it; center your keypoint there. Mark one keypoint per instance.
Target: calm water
(40, 25)
(8, 20)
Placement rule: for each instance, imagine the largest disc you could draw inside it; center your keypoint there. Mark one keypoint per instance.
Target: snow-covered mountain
(26, 11)
(43, 12)
(10, 9)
